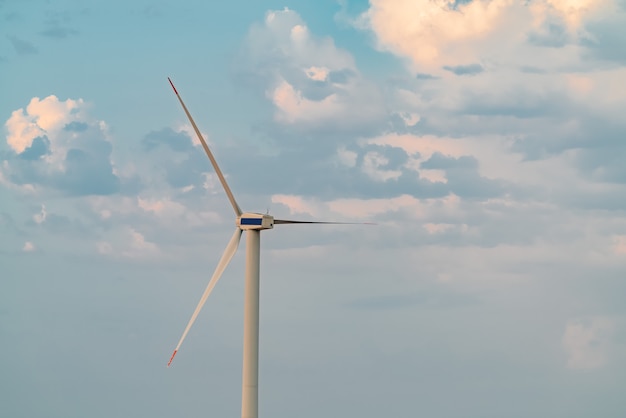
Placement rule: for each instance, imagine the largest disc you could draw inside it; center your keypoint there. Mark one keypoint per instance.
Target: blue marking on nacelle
(250, 221)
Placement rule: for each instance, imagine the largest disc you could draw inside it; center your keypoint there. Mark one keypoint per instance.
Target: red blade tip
(172, 358)
(172, 84)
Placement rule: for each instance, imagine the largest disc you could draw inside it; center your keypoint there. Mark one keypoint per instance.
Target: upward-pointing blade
(229, 252)
(209, 154)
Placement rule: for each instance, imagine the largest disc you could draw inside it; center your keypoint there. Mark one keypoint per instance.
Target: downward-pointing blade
(209, 154)
(229, 252)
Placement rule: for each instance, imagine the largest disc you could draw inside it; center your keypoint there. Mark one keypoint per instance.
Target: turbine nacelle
(254, 221)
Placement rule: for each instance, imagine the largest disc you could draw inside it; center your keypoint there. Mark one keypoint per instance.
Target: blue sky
(485, 138)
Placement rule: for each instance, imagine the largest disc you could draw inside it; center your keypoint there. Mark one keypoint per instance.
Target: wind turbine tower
(252, 224)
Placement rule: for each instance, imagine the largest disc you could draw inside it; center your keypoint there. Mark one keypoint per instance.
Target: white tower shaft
(250, 380)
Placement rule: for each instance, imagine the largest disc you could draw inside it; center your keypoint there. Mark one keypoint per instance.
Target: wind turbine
(253, 224)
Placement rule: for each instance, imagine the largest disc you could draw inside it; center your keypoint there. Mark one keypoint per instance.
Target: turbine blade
(229, 252)
(287, 222)
(209, 154)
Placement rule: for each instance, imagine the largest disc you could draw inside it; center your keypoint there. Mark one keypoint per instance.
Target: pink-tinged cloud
(292, 107)
(47, 116)
(297, 204)
(434, 34)
(170, 213)
(128, 243)
(587, 342)
(431, 33)
(619, 244)
(438, 228)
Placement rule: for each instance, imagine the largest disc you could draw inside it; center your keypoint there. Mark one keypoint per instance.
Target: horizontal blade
(229, 252)
(209, 154)
(287, 222)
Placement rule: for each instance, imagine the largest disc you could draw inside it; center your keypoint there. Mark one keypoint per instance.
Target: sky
(485, 138)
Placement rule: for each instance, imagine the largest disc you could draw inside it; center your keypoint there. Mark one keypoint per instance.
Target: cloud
(429, 33)
(312, 84)
(176, 141)
(439, 34)
(433, 159)
(176, 157)
(58, 32)
(128, 243)
(40, 217)
(40, 117)
(368, 209)
(293, 107)
(606, 39)
(470, 69)
(22, 47)
(587, 342)
(56, 144)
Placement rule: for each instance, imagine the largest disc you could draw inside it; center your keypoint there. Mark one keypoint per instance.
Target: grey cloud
(189, 171)
(470, 184)
(176, 141)
(315, 90)
(183, 168)
(37, 149)
(471, 69)
(313, 170)
(318, 90)
(396, 156)
(88, 169)
(607, 40)
(463, 177)
(88, 173)
(76, 127)
(456, 3)
(422, 76)
(21, 46)
(440, 161)
(58, 32)
(341, 76)
(600, 143)
(553, 35)
(520, 104)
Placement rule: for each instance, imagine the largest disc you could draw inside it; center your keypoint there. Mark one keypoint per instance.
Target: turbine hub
(254, 221)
